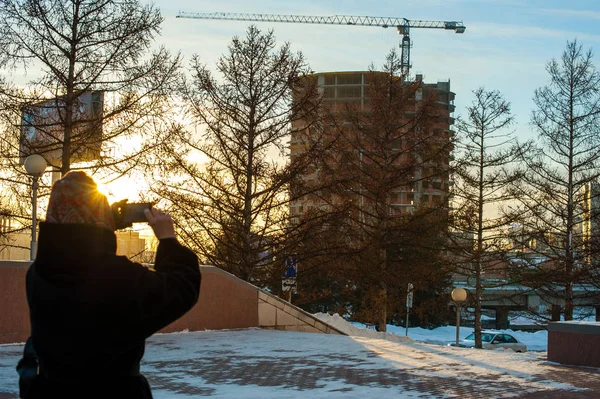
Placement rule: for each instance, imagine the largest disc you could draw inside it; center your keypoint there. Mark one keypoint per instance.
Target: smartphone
(134, 213)
(126, 214)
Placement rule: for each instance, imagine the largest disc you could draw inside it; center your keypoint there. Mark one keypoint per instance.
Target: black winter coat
(92, 310)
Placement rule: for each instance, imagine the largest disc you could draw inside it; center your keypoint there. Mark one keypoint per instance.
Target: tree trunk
(382, 322)
(70, 96)
(478, 255)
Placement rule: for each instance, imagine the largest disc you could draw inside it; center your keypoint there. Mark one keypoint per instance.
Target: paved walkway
(272, 364)
(310, 374)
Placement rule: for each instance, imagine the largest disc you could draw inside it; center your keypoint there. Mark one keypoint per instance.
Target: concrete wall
(226, 302)
(574, 343)
(14, 313)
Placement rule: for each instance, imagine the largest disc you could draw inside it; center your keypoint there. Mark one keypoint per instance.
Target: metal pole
(409, 300)
(34, 187)
(457, 321)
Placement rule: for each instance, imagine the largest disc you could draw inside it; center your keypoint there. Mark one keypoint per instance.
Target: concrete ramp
(276, 314)
(227, 302)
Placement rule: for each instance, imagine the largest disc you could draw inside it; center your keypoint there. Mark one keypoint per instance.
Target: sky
(506, 45)
(255, 363)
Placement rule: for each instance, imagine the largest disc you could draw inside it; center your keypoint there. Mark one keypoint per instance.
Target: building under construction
(427, 183)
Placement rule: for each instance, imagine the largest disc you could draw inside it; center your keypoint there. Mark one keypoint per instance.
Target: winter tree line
(515, 210)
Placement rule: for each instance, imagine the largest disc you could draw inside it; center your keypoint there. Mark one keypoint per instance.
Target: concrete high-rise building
(431, 182)
(589, 226)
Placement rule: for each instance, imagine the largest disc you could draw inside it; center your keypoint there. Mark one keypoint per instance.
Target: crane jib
(402, 24)
(383, 22)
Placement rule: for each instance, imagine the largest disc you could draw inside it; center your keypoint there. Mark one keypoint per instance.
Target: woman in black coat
(92, 310)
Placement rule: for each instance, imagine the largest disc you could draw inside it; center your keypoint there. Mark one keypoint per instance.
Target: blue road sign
(291, 267)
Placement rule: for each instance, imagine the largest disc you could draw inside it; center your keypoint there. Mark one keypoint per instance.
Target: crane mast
(403, 25)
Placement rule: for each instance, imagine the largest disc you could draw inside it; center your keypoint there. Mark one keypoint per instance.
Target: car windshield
(484, 337)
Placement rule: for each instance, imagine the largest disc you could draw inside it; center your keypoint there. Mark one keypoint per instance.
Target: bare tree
(83, 85)
(386, 151)
(486, 156)
(233, 207)
(566, 164)
(93, 82)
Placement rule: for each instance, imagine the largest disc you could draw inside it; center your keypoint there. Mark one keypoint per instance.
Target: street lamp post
(458, 296)
(35, 165)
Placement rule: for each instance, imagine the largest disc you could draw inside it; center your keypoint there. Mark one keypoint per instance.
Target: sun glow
(124, 187)
(128, 188)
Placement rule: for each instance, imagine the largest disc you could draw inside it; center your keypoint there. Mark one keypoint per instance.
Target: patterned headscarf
(75, 199)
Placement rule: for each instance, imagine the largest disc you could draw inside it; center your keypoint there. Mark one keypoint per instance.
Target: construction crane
(402, 24)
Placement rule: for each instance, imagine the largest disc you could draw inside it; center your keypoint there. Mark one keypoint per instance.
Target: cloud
(523, 31)
(563, 12)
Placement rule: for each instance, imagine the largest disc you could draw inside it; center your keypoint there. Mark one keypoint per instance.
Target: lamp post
(35, 165)
(458, 296)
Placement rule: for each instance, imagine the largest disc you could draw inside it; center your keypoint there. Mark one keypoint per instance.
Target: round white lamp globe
(35, 164)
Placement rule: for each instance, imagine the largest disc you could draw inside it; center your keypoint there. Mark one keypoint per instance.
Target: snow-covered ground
(535, 341)
(255, 363)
